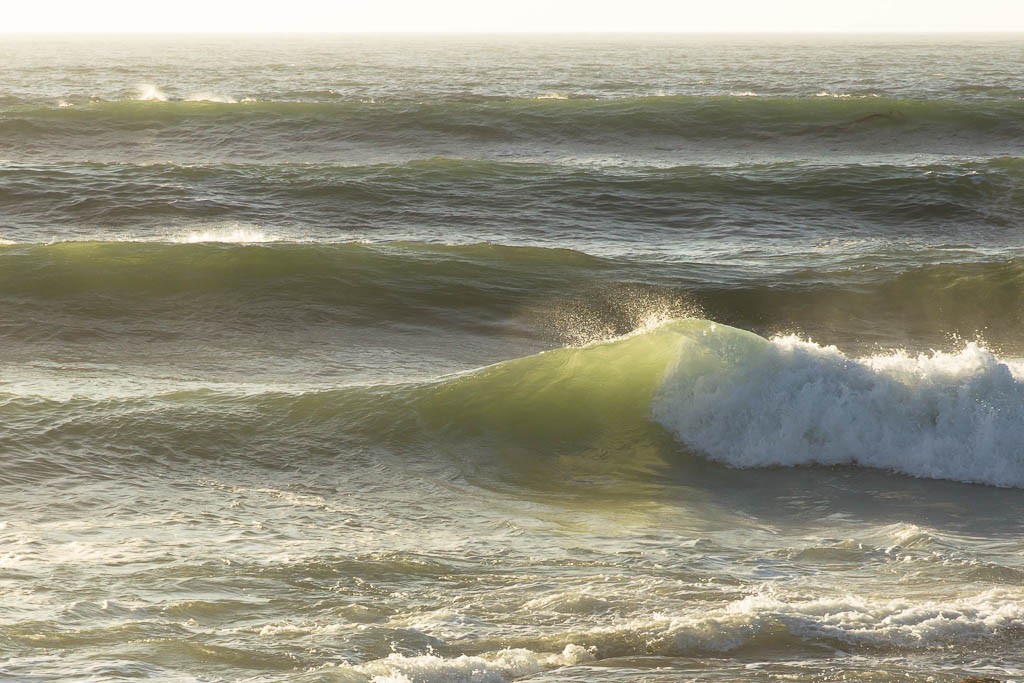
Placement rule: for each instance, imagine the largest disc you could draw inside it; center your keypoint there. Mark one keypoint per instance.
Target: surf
(627, 408)
(751, 402)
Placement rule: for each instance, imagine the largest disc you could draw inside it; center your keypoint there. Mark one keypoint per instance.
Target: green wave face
(562, 397)
(549, 422)
(572, 421)
(543, 420)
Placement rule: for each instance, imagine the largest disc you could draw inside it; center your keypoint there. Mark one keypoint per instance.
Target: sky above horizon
(116, 16)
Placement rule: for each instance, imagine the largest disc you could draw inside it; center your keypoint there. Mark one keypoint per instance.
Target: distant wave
(544, 118)
(561, 294)
(880, 198)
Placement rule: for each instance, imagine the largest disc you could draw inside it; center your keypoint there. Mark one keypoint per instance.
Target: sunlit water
(538, 358)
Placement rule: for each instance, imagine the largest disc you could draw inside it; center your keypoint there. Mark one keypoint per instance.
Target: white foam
(843, 95)
(910, 535)
(229, 235)
(494, 667)
(29, 551)
(292, 629)
(210, 97)
(150, 93)
(750, 402)
(853, 620)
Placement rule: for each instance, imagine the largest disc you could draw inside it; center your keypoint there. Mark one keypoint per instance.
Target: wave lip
(751, 402)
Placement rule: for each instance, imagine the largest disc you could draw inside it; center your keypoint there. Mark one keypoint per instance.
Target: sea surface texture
(477, 359)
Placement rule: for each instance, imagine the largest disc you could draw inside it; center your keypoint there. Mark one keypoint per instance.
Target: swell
(879, 306)
(457, 194)
(161, 290)
(630, 119)
(340, 283)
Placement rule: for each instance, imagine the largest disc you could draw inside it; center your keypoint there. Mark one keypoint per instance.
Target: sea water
(481, 358)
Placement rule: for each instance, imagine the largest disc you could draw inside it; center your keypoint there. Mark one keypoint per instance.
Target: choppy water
(489, 358)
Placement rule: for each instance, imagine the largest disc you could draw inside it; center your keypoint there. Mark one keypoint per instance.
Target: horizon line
(531, 32)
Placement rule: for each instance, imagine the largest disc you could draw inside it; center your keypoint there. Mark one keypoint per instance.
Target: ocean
(415, 359)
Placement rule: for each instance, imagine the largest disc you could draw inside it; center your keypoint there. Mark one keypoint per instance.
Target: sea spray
(150, 93)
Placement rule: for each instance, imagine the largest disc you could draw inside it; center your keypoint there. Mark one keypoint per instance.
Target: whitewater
(410, 359)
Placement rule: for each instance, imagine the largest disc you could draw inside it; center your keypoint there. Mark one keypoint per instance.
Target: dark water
(489, 358)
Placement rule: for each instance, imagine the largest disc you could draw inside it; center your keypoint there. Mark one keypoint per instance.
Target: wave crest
(751, 402)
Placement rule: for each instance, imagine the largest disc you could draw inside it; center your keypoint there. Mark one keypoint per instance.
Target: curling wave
(748, 401)
(721, 392)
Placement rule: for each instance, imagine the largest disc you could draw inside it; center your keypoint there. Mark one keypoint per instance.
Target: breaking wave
(751, 402)
(721, 392)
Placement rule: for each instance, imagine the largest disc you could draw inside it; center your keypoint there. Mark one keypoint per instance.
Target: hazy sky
(511, 15)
